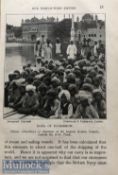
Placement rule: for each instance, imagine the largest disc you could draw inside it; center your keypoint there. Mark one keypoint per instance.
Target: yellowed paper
(31, 144)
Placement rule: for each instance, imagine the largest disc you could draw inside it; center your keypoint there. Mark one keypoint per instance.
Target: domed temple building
(34, 28)
(89, 27)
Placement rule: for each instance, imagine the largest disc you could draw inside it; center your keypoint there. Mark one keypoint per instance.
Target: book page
(58, 87)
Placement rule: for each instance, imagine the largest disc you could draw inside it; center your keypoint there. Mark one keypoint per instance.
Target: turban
(39, 76)
(83, 95)
(52, 93)
(42, 87)
(97, 92)
(76, 68)
(68, 71)
(30, 88)
(42, 70)
(71, 76)
(69, 66)
(72, 87)
(38, 39)
(87, 86)
(87, 80)
(20, 82)
(66, 93)
(56, 80)
(61, 68)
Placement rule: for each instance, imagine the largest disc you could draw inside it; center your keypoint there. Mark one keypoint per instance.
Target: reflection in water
(17, 55)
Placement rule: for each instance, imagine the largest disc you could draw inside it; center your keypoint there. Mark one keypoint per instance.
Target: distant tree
(16, 30)
(62, 29)
(9, 27)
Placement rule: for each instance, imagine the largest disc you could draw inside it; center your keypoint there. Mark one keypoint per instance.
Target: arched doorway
(33, 37)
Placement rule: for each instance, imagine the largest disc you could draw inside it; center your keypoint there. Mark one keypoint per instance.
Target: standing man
(43, 45)
(58, 48)
(48, 50)
(71, 52)
(95, 49)
(37, 48)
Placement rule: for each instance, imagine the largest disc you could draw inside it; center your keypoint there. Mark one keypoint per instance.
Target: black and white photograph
(55, 66)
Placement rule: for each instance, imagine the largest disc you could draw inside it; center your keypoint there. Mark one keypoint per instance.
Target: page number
(101, 6)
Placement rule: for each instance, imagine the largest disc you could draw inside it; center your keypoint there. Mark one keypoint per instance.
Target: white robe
(95, 50)
(58, 48)
(71, 51)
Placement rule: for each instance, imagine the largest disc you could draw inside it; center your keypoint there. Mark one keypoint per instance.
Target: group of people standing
(44, 48)
(61, 87)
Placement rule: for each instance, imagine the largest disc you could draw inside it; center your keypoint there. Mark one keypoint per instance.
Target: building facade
(35, 28)
(90, 28)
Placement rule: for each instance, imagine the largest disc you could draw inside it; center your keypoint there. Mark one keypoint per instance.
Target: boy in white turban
(66, 108)
(29, 103)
